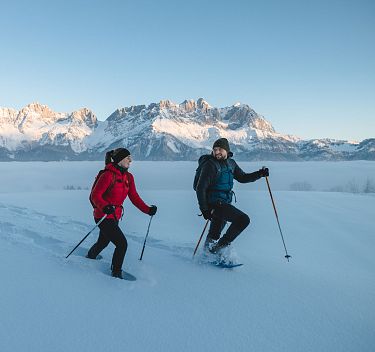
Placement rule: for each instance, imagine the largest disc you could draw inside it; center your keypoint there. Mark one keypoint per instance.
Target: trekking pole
(200, 238)
(99, 222)
(144, 243)
(287, 256)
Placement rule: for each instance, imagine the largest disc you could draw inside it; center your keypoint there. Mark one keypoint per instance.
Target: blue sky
(307, 66)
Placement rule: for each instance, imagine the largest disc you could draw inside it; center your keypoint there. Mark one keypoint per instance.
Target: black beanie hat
(222, 143)
(119, 154)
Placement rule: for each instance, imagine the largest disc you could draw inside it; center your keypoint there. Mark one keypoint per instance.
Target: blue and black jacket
(215, 182)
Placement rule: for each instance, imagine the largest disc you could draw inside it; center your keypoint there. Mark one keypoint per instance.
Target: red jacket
(112, 188)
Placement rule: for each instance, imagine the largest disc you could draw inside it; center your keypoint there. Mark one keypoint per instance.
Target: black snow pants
(222, 214)
(110, 232)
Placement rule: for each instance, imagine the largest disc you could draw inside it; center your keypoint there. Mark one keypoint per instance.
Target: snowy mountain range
(160, 131)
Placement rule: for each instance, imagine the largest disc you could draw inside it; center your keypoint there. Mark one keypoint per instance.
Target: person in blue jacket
(214, 193)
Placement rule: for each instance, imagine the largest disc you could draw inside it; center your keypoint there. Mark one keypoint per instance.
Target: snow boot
(218, 247)
(117, 274)
(98, 257)
(208, 244)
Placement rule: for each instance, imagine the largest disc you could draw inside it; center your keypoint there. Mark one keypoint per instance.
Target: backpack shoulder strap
(100, 173)
(232, 164)
(217, 167)
(113, 181)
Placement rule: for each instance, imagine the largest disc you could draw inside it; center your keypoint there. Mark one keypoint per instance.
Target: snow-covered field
(322, 300)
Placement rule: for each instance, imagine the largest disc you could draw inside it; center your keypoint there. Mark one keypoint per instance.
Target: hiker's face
(125, 163)
(219, 153)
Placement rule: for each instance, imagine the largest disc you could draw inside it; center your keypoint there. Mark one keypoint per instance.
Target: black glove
(153, 209)
(207, 214)
(264, 172)
(109, 209)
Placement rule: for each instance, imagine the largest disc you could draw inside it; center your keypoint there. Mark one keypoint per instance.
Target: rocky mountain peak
(37, 108)
(160, 131)
(239, 115)
(85, 116)
(260, 123)
(189, 105)
(36, 114)
(203, 105)
(166, 104)
(8, 115)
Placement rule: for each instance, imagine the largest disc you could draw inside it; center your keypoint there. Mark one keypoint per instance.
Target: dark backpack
(96, 180)
(207, 159)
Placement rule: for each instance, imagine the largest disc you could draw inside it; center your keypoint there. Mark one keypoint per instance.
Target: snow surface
(322, 300)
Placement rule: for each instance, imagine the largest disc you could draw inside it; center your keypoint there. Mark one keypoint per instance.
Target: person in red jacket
(108, 194)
